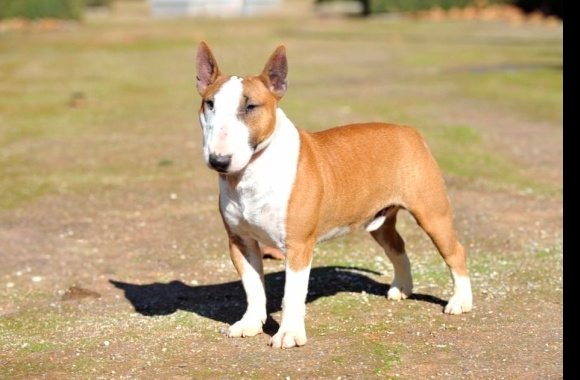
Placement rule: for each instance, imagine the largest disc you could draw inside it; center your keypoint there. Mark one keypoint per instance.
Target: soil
(140, 286)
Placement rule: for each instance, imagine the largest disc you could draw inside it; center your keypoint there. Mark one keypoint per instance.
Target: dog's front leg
(247, 258)
(292, 330)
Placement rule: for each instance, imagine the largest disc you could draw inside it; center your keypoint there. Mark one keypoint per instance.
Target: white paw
(245, 327)
(458, 304)
(462, 300)
(289, 338)
(398, 292)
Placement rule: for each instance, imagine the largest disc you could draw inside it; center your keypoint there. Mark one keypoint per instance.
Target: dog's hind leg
(390, 240)
(247, 258)
(436, 219)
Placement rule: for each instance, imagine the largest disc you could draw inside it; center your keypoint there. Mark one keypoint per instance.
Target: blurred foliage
(549, 7)
(418, 5)
(98, 3)
(35, 9)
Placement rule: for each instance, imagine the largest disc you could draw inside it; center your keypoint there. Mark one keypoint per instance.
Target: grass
(462, 152)
(541, 98)
(108, 68)
(390, 358)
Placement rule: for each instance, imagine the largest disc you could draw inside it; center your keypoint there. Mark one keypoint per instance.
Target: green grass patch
(536, 93)
(389, 356)
(463, 152)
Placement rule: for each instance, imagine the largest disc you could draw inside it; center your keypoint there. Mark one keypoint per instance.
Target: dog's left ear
(275, 72)
(207, 68)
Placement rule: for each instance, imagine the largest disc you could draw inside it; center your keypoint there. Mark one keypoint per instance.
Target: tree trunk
(366, 7)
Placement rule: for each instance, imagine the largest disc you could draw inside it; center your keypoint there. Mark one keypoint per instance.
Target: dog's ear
(275, 72)
(207, 68)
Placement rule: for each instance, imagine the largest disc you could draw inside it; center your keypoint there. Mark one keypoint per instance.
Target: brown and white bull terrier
(287, 188)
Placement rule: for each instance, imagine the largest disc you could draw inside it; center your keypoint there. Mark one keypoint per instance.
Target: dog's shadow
(227, 302)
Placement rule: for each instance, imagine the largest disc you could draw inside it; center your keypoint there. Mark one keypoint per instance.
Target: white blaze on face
(223, 132)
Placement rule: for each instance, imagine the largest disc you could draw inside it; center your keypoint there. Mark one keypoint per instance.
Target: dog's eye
(209, 104)
(250, 108)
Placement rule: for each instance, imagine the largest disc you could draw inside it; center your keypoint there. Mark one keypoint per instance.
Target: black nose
(219, 162)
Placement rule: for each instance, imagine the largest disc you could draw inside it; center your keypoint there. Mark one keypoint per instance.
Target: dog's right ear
(207, 68)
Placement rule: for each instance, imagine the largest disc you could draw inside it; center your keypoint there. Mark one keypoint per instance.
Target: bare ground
(135, 282)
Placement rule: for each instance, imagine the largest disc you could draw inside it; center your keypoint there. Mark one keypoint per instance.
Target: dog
(283, 187)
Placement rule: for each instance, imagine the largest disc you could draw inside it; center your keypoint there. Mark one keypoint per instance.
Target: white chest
(257, 206)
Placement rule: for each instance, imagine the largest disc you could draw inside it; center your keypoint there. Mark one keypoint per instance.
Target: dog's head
(238, 114)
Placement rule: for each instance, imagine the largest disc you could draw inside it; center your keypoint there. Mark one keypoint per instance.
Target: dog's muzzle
(219, 162)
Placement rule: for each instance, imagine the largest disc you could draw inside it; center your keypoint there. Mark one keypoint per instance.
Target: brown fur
(348, 174)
